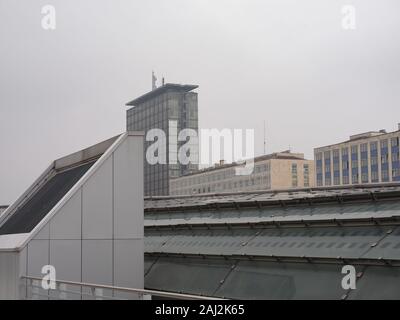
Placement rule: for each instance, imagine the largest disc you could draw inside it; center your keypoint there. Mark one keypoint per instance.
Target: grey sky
(288, 62)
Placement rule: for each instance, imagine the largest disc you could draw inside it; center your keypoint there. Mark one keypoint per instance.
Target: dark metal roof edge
(283, 259)
(160, 90)
(363, 196)
(299, 223)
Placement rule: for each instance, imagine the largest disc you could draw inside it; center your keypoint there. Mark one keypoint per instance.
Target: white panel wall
(128, 263)
(44, 233)
(97, 236)
(65, 256)
(128, 176)
(66, 224)
(38, 256)
(97, 262)
(128, 266)
(97, 204)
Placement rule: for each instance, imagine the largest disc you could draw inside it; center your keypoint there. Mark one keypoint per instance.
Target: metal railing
(91, 291)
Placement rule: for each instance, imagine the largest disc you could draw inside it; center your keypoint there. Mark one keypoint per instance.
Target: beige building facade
(371, 157)
(282, 170)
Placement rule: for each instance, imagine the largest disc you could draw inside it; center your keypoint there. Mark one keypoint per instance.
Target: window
(328, 181)
(364, 162)
(364, 177)
(364, 147)
(336, 153)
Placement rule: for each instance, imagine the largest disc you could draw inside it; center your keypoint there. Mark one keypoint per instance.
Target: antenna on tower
(153, 81)
(265, 140)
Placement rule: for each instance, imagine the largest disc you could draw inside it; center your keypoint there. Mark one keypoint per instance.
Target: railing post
(62, 288)
(97, 293)
(35, 289)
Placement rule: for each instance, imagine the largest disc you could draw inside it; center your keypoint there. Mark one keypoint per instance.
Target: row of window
(259, 182)
(216, 176)
(361, 157)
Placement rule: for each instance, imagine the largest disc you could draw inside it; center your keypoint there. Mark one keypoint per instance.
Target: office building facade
(171, 108)
(371, 157)
(283, 170)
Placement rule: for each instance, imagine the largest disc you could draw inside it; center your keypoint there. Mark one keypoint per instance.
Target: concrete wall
(97, 236)
(276, 175)
(281, 173)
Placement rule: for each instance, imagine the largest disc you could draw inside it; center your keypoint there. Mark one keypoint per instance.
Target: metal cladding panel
(128, 263)
(97, 264)
(345, 242)
(320, 212)
(155, 240)
(67, 223)
(8, 275)
(202, 277)
(44, 233)
(328, 242)
(269, 280)
(65, 256)
(378, 283)
(38, 256)
(128, 178)
(206, 242)
(97, 203)
(392, 207)
(388, 247)
(40, 204)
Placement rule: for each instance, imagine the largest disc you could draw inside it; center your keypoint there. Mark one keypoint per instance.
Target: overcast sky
(289, 62)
